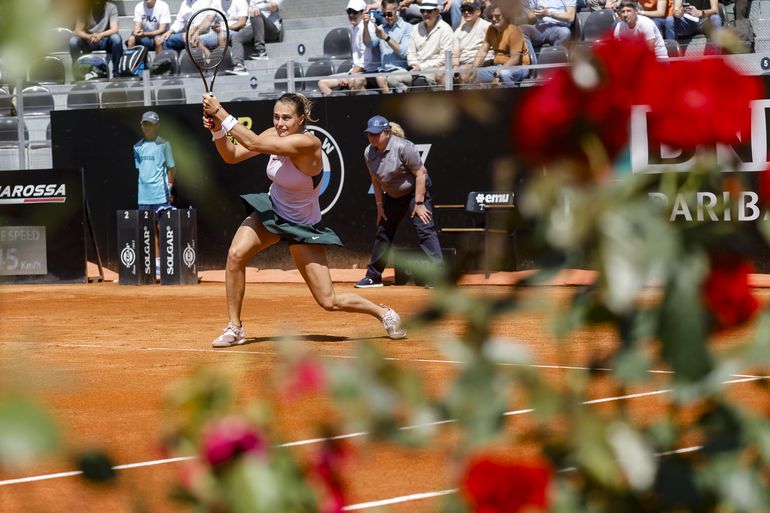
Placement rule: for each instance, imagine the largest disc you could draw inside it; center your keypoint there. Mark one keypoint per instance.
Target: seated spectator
(692, 18)
(659, 11)
(431, 39)
(394, 36)
(151, 19)
(174, 38)
(97, 29)
(366, 56)
(634, 25)
(469, 37)
(265, 18)
(549, 22)
(449, 9)
(509, 47)
(236, 13)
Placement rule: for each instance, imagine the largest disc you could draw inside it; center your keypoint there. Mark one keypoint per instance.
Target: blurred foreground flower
(727, 290)
(225, 440)
(494, 485)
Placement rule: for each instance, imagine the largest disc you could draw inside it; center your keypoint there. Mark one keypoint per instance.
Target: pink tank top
(293, 193)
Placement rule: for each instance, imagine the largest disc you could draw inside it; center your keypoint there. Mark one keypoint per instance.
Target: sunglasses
(389, 14)
(426, 11)
(497, 16)
(467, 10)
(351, 12)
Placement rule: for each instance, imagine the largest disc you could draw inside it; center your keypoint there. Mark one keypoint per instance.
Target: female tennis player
(290, 211)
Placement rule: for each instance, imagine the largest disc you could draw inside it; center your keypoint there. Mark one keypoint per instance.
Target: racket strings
(207, 36)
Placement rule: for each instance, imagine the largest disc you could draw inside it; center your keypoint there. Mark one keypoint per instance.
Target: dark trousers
(395, 211)
(113, 45)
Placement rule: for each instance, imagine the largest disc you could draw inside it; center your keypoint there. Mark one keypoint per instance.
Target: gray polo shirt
(395, 167)
(94, 26)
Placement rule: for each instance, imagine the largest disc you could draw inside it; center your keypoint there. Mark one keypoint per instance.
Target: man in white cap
(431, 39)
(366, 55)
(155, 163)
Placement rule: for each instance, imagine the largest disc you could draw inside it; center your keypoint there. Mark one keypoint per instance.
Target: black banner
(42, 235)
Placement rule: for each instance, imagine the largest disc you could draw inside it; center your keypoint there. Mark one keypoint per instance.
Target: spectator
(659, 11)
(634, 25)
(155, 163)
(374, 8)
(174, 38)
(469, 37)
(401, 187)
(151, 19)
(549, 22)
(449, 9)
(692, 18)
(236, 13)
(394, 36)
(265, 18)
(431, 39)
(97, 29)
(366, 56)
(509, 47)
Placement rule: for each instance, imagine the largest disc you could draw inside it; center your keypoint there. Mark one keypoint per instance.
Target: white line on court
(397, 500)
(351, 357)
(311, 441)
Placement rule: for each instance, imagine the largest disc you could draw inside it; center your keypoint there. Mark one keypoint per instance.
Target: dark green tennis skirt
(296, 233)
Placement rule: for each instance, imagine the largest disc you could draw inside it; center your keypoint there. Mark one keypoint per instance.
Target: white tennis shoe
(391, 321)
(231, 336)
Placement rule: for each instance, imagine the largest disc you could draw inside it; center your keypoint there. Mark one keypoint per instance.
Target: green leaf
(27, 432)
(683, 322)
(632, 366)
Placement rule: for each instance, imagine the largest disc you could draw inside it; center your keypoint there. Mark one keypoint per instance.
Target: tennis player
(290, 211)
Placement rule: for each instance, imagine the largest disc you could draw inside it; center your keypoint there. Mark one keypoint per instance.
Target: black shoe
(367, 282)
(259, 55)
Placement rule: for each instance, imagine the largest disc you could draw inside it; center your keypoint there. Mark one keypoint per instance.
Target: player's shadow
(303, 338)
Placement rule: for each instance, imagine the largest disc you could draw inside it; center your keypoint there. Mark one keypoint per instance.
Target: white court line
(351, 357)
(397, 500)
(311, 441)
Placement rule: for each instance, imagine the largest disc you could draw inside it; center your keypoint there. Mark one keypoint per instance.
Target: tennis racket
(207, 38)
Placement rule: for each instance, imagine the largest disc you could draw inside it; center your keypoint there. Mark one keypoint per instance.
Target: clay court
(101, 357)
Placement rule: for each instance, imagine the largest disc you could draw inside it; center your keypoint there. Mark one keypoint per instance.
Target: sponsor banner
(42, 226)
(22, 251)
(460, 157)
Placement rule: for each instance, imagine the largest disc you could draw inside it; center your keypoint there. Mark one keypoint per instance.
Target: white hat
(428, 5)
(357, 5)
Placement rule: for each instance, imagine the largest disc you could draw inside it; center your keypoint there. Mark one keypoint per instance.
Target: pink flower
(305, 377)
(327, 470)
(227, 439)
(494, 485)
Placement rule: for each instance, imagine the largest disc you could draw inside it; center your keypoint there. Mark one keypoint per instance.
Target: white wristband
(218, 134)
(229, 123)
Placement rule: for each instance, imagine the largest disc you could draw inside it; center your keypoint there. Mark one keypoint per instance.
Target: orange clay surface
(102, 357)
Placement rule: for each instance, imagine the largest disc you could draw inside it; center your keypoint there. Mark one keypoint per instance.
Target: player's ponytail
(396, 130)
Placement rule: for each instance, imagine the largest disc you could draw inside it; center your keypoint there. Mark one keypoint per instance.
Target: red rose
(589, 103)
(727, 292)
(306, 376)
(493, 485)
(702, 103)
(229, 438)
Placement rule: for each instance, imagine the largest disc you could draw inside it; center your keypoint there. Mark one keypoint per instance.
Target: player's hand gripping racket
(207, 39)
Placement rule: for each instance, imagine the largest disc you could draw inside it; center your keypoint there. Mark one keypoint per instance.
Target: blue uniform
(153, 159)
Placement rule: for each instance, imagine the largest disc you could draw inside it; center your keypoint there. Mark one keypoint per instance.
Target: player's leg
(250, 238)
(311, 263)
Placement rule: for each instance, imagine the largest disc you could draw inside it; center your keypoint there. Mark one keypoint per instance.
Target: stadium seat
(39, 152)
(83, 96)
(171, 92)
(114, 95)
(135, 94)
(166, 62)
(344, 66)
(281, 74)
(672, 47)
(9, 142)
(60, 40)
(48, 70)
(316, 71)
(186, 65)
(597, 25)
(337, 45)
(37, 100)
(6, 103)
